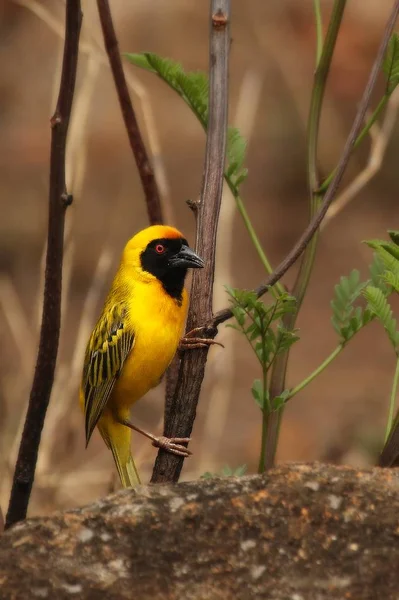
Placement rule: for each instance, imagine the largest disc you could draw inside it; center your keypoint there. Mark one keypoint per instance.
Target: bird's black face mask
(168, 260)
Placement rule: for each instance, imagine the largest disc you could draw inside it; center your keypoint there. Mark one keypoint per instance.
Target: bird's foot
(191, 340)
(173, 445)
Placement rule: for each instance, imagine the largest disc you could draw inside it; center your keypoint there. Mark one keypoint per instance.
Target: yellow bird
(135, 340)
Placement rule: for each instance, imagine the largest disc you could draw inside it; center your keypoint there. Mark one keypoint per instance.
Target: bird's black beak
(186, 259)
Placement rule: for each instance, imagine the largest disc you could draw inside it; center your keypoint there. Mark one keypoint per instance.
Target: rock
(300, 532)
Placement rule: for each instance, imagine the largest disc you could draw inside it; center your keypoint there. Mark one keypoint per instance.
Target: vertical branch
(277, 383)
(180, 418)
(144, 167)
(59, 200)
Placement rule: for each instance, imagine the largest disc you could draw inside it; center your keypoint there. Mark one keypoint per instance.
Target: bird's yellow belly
(147, 362)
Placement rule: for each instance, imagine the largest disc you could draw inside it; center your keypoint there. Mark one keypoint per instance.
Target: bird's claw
(173, 445)
(191, 340)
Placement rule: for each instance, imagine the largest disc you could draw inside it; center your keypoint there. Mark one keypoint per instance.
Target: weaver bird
(135, 340)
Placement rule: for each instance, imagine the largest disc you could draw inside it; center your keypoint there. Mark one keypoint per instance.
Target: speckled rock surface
(301, 532)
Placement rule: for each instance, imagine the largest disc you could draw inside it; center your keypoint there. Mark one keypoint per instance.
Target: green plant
(263, 328)
(379, 306)
(226, 471)
(252, 316)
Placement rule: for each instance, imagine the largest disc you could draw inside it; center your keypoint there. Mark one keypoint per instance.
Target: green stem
(319, 30)
(381, 105)
(392, 401)
(315, 373)
(279, 371)
(265, 420)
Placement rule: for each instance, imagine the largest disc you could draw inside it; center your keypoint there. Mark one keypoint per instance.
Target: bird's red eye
(159, 249)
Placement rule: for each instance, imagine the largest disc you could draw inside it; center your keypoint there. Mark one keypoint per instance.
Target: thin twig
(279, 371)
(49, 334)
(180, 418)
(380, 137)
(301, 244)
(146, 173)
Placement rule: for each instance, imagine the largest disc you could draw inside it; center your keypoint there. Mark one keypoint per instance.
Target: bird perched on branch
(135, 340)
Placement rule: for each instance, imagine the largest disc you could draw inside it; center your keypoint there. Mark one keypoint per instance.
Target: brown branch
(59, 200)
(180, 418)
(301, 244)
(146, 172)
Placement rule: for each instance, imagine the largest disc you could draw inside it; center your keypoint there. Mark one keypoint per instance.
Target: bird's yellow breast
(157, 321)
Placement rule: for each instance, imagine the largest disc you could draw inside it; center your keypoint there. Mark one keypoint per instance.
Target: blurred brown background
(341, 416)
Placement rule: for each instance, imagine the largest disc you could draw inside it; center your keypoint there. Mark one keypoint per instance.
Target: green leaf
(380, 306)
(193, 88)
(346, 320)
(257, 392)
(386, 251)
(226, 471)
(390, 247)
(390, 64)
(230, 291)
(235, 150)
(285, 338)
(239, 314)
(240, 471)
(252, 332)
(394, 235)
(377, 271)
(280, 400)
(392, 279)
(260, 396)
(241, 178)
(208, 475)
(262, 352)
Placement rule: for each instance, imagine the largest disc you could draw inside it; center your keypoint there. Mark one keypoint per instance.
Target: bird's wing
(108, 347)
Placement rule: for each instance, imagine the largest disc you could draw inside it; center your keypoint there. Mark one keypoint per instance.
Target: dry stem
(49, 334)
(144, 167)
(181, 412)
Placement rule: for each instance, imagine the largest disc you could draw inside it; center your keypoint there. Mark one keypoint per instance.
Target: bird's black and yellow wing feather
(107, 350)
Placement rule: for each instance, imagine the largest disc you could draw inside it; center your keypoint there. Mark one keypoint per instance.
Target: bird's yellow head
(161, 252)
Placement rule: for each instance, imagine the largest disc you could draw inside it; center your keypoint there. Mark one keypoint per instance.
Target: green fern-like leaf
(347, 319)
(279, 401)
(390, 64)
(377, 273)
(390, 247)
(226, 471)
(285, 338)
(193, 88)
(392, 280)
(379, 305)
(394, 235)
(236, 149)
(388, 252)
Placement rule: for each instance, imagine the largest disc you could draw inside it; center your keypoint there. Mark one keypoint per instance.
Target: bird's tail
(127, 470)
(118, 437)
